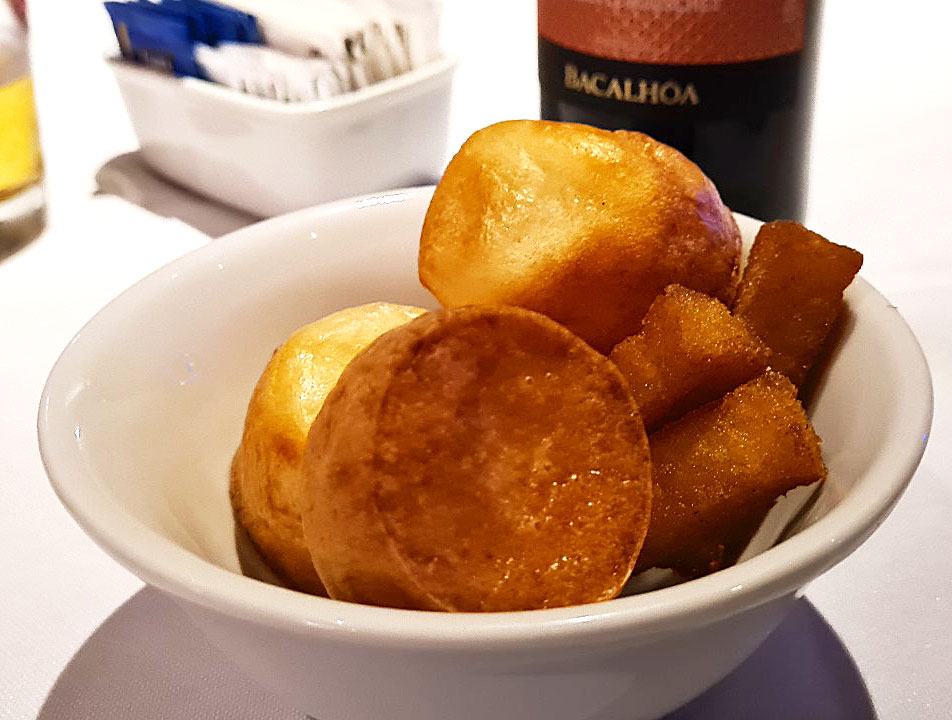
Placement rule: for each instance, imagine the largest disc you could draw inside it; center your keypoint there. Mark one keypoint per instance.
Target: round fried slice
(482, 458)
(584, 225)
(265, 480)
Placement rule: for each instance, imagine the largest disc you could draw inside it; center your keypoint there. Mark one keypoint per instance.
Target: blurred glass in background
(21, 168)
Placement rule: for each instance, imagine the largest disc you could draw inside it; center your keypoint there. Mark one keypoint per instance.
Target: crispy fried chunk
(718, 471)
(690, 351)
(792, 292)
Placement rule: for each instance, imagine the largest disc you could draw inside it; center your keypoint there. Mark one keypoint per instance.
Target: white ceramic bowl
(268, 157)
(144, 409)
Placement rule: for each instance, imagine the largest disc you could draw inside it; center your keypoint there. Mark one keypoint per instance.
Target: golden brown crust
(272, 527)
(265, 472)
(690, 351)
(584, 225)
(718, 471)
(792, 292)
(478, 459)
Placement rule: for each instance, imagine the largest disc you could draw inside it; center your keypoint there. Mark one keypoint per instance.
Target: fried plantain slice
(265, 472)
(479, 459)
(584, 225)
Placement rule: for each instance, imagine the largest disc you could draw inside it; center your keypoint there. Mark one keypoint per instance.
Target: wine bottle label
(705, 57)
(676, 32)
(726, 82)
(709, 90)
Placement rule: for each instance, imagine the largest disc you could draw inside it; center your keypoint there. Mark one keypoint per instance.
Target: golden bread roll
(265, 479)
(478, 459)
(584, 225)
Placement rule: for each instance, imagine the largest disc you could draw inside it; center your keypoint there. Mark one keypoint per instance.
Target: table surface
(82, 638)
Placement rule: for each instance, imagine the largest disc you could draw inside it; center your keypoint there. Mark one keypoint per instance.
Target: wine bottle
(727, 82)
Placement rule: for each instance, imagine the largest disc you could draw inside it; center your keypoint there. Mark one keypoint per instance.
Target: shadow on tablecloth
(801, 671)
(127, 176)
(147, 661)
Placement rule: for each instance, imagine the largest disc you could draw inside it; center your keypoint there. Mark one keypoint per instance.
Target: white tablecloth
(81, 638)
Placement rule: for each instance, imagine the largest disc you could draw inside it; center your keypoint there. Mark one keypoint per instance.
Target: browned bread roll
(265, 476)
(478, 459)
(584, 225)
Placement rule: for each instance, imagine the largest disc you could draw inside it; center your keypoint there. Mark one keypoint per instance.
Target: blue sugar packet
(223, 23)
(152, 37)
(163, 34)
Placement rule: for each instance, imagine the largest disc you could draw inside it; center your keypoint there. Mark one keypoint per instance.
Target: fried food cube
(690, 351)
(792, 292)
(265, 472)
(479, 459)
(584, 225)
(718, 470)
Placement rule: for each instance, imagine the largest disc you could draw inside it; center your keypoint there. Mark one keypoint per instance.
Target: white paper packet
(269, 73)
(386, 52)
(418, 24)
(372, 39)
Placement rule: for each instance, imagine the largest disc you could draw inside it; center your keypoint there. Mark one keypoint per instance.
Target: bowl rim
(406, 84)
(779, 571)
